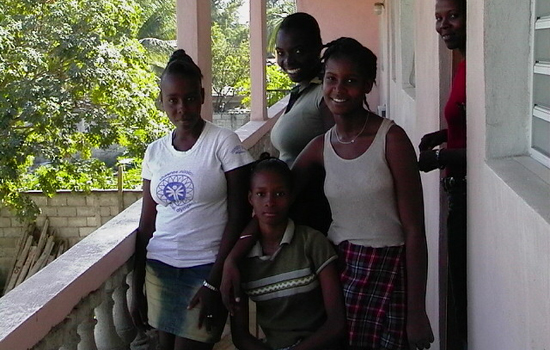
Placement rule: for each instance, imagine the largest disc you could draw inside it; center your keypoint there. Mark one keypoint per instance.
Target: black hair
(353, 50)
(275, 165)
(181, 64)
(304, 23)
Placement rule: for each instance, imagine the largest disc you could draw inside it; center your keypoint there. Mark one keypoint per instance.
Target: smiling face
(297, 55)
(344, 87)
(182, 99)
(450, 23)
(270, 197)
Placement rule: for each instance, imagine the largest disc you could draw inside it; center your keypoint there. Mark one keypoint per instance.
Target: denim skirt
(169, 290)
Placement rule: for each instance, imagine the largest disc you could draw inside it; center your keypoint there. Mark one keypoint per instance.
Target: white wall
(509, 198)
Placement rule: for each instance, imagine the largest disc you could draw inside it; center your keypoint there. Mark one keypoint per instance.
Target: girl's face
(182, 99)
(270, 197)
(297, 56)
(344, 87)
(450, 23)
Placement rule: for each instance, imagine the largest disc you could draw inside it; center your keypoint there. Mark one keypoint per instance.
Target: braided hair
(354, 51)
(181, 64)
(275, 165)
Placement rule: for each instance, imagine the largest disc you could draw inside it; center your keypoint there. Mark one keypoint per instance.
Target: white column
(194, 36)
(258, 108)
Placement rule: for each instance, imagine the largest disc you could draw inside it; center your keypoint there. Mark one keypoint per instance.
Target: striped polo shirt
(285, 286)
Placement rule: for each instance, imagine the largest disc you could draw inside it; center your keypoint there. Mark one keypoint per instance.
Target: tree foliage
(73, 78)
(76, 75)
(157, 31)
(277, 10)
(278, 85)
(225, 14)
(230, 65)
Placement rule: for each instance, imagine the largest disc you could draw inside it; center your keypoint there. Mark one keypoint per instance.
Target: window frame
(542, 112)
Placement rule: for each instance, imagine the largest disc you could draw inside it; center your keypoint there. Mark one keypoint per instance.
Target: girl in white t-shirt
(195, 183)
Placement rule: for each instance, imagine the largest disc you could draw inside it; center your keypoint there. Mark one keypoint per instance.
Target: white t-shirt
(190, 190)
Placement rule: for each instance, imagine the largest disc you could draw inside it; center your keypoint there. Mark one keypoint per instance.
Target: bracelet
(245, 236)
(209, 286)
(437, 159)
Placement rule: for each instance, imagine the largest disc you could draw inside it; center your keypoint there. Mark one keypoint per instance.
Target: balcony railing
(79, 301)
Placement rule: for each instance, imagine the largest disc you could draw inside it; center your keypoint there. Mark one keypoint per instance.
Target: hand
(427, 161)
(138, 311)
(431, 140)
(230, 287)
(419, 331)
(211, 307)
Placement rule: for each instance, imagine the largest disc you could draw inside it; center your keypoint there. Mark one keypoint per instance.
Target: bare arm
(144, 233)
(410, 206)
(428, 160)
(433, 139)
(307, 165)
(230, 287)
(326, 114)
(334, 329)
(239, 213)
(240, 333)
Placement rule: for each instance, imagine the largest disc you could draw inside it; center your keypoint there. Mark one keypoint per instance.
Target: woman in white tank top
(374, 190)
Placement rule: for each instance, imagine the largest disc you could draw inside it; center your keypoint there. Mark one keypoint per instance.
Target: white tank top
(362, 196)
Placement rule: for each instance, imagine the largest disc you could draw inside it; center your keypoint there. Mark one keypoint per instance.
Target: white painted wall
(509, 199)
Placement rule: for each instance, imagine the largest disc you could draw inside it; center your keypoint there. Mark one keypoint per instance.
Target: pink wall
(352, 18)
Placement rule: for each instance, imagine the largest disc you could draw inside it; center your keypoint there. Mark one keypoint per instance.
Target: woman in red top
(450, 16)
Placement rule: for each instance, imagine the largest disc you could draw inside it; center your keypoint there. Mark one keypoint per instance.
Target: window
(407, 43)
(540, 122)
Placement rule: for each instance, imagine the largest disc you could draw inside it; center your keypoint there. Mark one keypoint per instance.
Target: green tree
(277, 10)
(278, 85)
(157, 31)
(225, 13)
(72, 79)
(230, 65)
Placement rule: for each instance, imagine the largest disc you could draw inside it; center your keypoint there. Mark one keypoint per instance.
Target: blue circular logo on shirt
(175, 189)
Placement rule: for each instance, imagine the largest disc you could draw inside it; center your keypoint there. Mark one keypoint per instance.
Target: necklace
(356, 136)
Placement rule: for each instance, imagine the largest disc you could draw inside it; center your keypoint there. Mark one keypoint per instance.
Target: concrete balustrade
(54, 309)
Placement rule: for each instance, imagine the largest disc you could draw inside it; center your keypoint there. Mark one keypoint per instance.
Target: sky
(243, 13)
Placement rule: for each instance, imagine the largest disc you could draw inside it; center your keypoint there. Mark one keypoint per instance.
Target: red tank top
(455, 114)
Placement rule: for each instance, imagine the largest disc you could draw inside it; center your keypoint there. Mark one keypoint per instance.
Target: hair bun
(179, 54)
(264, 155)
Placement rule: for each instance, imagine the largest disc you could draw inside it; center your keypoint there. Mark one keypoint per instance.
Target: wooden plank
(61, 249)
(41, 261)
(23, 273)
(43, 236)
(19, 264)
(18, 248)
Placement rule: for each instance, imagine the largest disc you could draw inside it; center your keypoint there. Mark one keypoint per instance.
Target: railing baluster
(70, 336)
(86, 332)
(123, 321)
(105, 332)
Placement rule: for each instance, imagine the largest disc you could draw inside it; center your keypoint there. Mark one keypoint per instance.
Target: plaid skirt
(373, 280)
